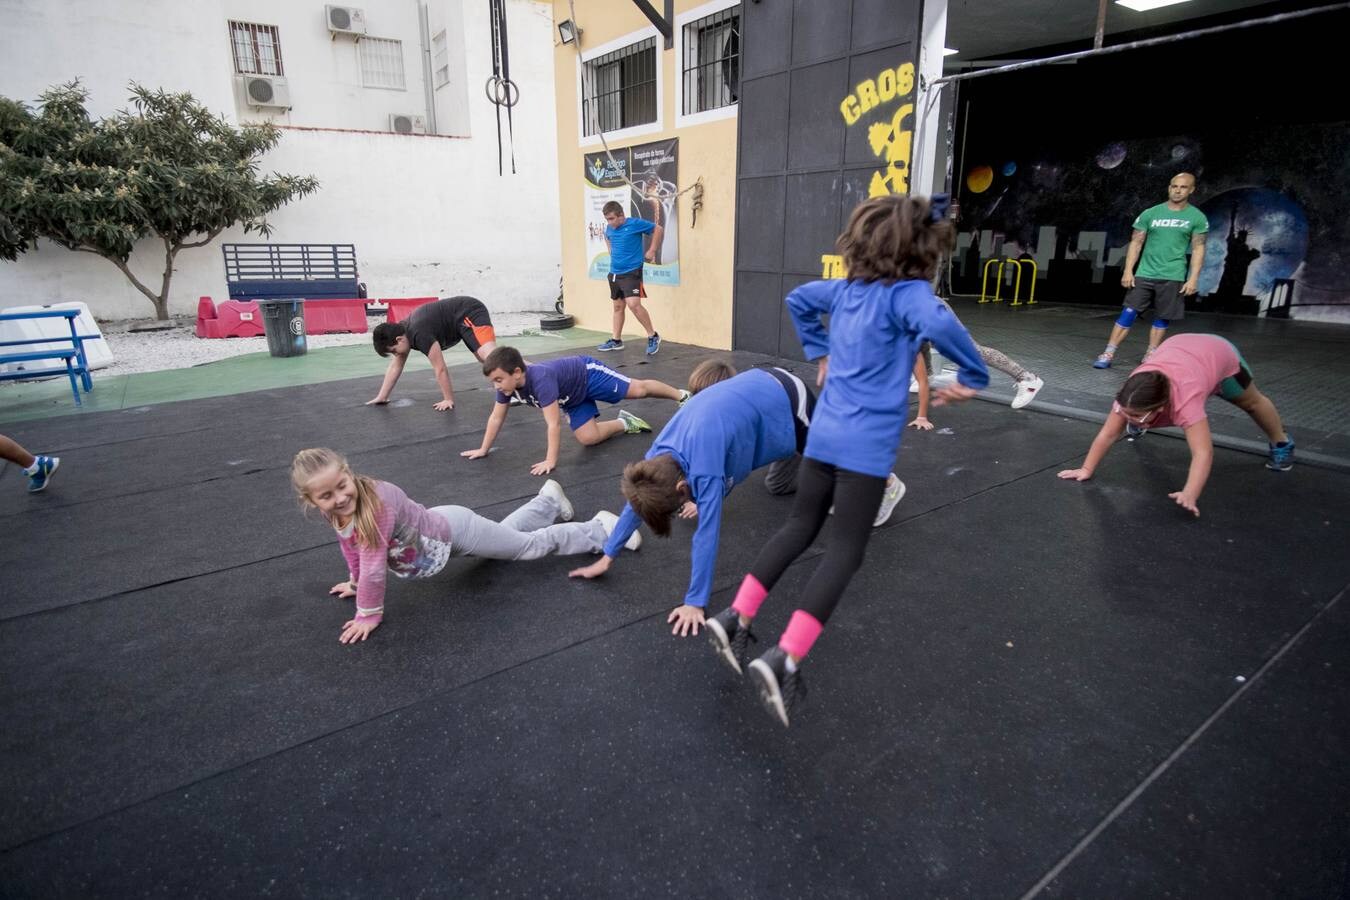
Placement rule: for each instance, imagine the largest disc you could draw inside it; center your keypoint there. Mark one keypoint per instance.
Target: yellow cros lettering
(867, 94)
(849, 109)
(893, 141)
(904, 79)
(831, 266)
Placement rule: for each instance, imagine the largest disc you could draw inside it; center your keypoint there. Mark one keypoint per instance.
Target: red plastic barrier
(233, 318)
(335, 316)
(401, 307)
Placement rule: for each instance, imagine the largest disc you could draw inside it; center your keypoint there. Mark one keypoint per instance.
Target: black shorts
(1164, 296)
(802, 400)
(626, 284)
(475, 325)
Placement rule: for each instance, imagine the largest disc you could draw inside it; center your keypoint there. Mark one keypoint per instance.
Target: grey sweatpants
(528, 533)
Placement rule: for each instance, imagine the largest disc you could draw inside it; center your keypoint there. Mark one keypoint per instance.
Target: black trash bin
(284, 323)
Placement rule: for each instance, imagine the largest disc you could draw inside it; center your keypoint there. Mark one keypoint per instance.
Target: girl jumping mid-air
(381, 529)
(879, 316)
(1170, 389)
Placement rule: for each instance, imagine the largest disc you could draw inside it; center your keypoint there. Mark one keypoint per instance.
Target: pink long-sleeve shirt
(414, 543)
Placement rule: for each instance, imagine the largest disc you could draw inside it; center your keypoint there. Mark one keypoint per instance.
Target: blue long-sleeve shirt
(875, 331)
(718, 438)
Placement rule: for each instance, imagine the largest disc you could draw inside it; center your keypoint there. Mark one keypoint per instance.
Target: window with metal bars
(712, 61)
(618, 90)
(382, 63)
(257, 49)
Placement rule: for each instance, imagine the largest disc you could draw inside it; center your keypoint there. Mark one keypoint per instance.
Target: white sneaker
(913, 385)
(609, 522)
(895, 489)
(942, 380)
(552, 489)
(1027, 389)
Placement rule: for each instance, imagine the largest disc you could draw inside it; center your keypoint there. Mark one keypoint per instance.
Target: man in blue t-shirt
(623, 236)
(571, 385)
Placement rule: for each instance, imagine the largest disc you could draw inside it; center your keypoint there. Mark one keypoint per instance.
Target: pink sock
(749, 597)
(802, 631)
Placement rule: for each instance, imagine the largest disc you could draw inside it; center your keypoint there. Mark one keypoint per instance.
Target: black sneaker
(779, 689)
(729, 640)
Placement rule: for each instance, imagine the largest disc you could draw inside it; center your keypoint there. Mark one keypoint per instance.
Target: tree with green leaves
(167, 167)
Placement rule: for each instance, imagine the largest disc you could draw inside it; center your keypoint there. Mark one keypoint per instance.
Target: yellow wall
(698, 311)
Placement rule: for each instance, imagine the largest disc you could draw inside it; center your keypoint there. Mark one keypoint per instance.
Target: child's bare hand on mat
(343, 589)
(542, 468)
(689, 510)
(1075, 474)
(1186, 502)
(688, 619)
(473, 454)
(921, 423)
(443, 405)
(594, 570)
(378, 401)
(356, 630)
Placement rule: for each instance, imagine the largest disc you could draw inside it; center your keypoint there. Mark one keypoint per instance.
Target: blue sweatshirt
(718, 437)
(875, 331)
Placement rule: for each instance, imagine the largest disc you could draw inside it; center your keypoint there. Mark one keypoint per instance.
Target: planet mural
(1111, 155)
(979, 178)
(1009, 169)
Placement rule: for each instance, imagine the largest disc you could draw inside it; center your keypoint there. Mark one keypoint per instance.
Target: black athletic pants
(855, 497)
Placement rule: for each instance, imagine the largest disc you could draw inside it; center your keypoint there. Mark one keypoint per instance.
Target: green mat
(25, 400)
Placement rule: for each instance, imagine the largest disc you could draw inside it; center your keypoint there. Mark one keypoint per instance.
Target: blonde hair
(708, 373)
(315, 460)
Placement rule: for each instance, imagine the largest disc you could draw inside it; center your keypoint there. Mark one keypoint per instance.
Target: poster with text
(653, 171)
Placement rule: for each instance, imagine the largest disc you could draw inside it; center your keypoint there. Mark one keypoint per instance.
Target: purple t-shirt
(557, 380)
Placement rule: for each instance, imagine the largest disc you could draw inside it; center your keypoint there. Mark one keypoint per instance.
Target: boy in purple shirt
(569, 385)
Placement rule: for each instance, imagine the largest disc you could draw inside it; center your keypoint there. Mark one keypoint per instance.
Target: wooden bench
(73, 356)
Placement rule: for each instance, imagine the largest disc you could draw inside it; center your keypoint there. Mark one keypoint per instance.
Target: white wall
(930, 163)
(428, 214)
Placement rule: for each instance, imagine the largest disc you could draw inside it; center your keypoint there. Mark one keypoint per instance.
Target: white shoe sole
(721, 645)
(1027, 391)
(769, 692)
(609, 521)
(552, 489)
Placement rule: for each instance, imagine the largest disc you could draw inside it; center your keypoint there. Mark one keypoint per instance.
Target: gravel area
(179, 348)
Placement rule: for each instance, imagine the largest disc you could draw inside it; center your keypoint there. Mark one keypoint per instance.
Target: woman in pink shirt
(1171, 389)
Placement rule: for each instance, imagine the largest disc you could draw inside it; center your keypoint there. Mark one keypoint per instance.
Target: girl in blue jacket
(879, 316)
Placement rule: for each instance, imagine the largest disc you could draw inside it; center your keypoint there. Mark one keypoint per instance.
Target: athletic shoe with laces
(1103, 361)
(1027, 388)
(1281, 456)
(552, 489)
(779, 690)
(895, 489)
(653, 344)
(632, 424)
(611, 344)
(684, 397)
(609, 521)
(42, 476)
(730, 640)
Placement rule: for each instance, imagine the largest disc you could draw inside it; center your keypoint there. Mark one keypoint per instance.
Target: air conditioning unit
(400, 123)
(345, 20)
(265, 91)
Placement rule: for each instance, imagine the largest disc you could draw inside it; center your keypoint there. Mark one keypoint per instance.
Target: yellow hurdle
(1017, 283)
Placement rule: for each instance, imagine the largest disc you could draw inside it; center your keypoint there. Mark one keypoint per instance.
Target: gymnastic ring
(501, 91)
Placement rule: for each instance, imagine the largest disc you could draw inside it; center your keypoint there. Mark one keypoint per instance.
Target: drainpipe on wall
(428, 86)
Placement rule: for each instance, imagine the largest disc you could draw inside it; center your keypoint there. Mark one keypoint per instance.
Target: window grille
(257, 49)
(618, 90)
(381, 63)
(712, 61)
(440, 59)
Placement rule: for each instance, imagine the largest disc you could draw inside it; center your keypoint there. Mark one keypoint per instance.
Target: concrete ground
(1032, 688)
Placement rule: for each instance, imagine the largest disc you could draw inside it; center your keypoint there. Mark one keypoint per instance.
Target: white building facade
(384, 103)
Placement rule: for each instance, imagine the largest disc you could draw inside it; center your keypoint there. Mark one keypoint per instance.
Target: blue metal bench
(74, 358)
(290, 271)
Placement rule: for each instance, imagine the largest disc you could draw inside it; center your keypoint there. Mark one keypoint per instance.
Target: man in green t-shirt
(1161, 237)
